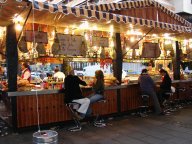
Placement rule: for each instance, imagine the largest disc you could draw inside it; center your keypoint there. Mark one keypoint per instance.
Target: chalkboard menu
(150, 50)
(37, 36)
(100, 41)
(69, 44)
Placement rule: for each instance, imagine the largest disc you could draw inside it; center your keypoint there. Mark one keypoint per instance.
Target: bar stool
(179, 103)
(71, 107)
(168, 104)
(144, 107)
(190, 96)
(99, 121)
(3, 129)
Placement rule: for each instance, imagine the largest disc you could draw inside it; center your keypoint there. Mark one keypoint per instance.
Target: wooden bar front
(120, 99)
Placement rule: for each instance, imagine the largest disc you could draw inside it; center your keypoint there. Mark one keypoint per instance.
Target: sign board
(100, 41)
(40, 37)
(150, 50)
(69, 44)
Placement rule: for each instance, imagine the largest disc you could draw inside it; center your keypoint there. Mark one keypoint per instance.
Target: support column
(176, 62)
(118, 61)
(12, 66)
(12, 57)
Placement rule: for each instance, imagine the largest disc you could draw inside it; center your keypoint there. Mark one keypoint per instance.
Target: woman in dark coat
(165, 85)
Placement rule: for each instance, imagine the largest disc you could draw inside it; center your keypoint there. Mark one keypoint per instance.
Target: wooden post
(176, 62)
(12, 66)
(12, 57)
(118, 61)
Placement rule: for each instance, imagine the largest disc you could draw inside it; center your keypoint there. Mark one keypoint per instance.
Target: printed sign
(150, 50)
(40, 37)
(100, 41)
(69, 44)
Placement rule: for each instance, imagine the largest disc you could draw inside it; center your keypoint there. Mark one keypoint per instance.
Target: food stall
(102, 37)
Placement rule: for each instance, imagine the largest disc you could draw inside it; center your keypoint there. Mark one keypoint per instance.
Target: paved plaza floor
(128, 129)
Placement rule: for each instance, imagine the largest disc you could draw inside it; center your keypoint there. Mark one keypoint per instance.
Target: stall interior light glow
(112, 44)
(190, 45)
(166, 35)
(132, 39)
(2, 32)
(111, 29)
(154, 35)
(94, 27)
(108, 22)
(137, 53)
(130, 25)
(53, 33)
(185, 42)
(17, 18)
(84, 25)
(18, 27)
(66, 31)
(86, 36)
(127, 48)
(73, 32)
(134, 32)
(167, 42)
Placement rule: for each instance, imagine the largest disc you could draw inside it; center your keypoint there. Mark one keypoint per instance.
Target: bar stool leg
(99, 121)
(77, 126)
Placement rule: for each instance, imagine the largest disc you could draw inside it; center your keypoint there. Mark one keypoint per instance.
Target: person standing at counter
(58, 74)
(26, 72)
(73, 94)
(147, 86)
(165, 85)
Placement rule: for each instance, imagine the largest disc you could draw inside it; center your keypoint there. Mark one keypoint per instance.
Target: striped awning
(53, 8)
(136, 4)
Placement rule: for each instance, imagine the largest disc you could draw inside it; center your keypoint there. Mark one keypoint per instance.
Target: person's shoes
(78, 116)
(164, 102)
(161, 113)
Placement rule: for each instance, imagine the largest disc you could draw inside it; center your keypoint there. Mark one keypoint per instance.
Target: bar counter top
(47, 91)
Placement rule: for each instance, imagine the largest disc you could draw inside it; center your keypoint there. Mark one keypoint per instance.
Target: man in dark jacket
(73, 93)
(147, 86)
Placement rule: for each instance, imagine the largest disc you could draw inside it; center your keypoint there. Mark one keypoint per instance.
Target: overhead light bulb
(18, 27)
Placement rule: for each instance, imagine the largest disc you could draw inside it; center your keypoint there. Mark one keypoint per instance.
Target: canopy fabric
(136, 4)
(53, 8)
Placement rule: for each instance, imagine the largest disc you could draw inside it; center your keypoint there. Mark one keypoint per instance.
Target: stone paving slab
(173, 129)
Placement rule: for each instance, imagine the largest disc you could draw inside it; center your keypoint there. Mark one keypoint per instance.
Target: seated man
(147, 86)
(73, 94)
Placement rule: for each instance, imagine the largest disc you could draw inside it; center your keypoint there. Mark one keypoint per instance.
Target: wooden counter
(52, 109)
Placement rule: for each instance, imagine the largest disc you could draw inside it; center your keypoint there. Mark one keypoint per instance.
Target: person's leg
(94, 98)
(160, 96)
(84, 105)
(158, 109)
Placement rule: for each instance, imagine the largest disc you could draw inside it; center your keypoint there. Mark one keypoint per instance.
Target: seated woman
(165, 85)
(98, 87)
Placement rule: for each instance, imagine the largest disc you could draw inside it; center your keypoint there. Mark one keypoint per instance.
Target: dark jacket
(72, 88)
(146, 83)
(166, 83)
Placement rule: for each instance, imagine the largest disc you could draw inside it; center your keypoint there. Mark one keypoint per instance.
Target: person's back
(166, 83)
(146, 83)
(147, 86)
(73, 94)
(58, 74)
(72, 88)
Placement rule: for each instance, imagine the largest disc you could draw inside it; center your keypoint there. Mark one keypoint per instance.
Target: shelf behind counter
(52, 110)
